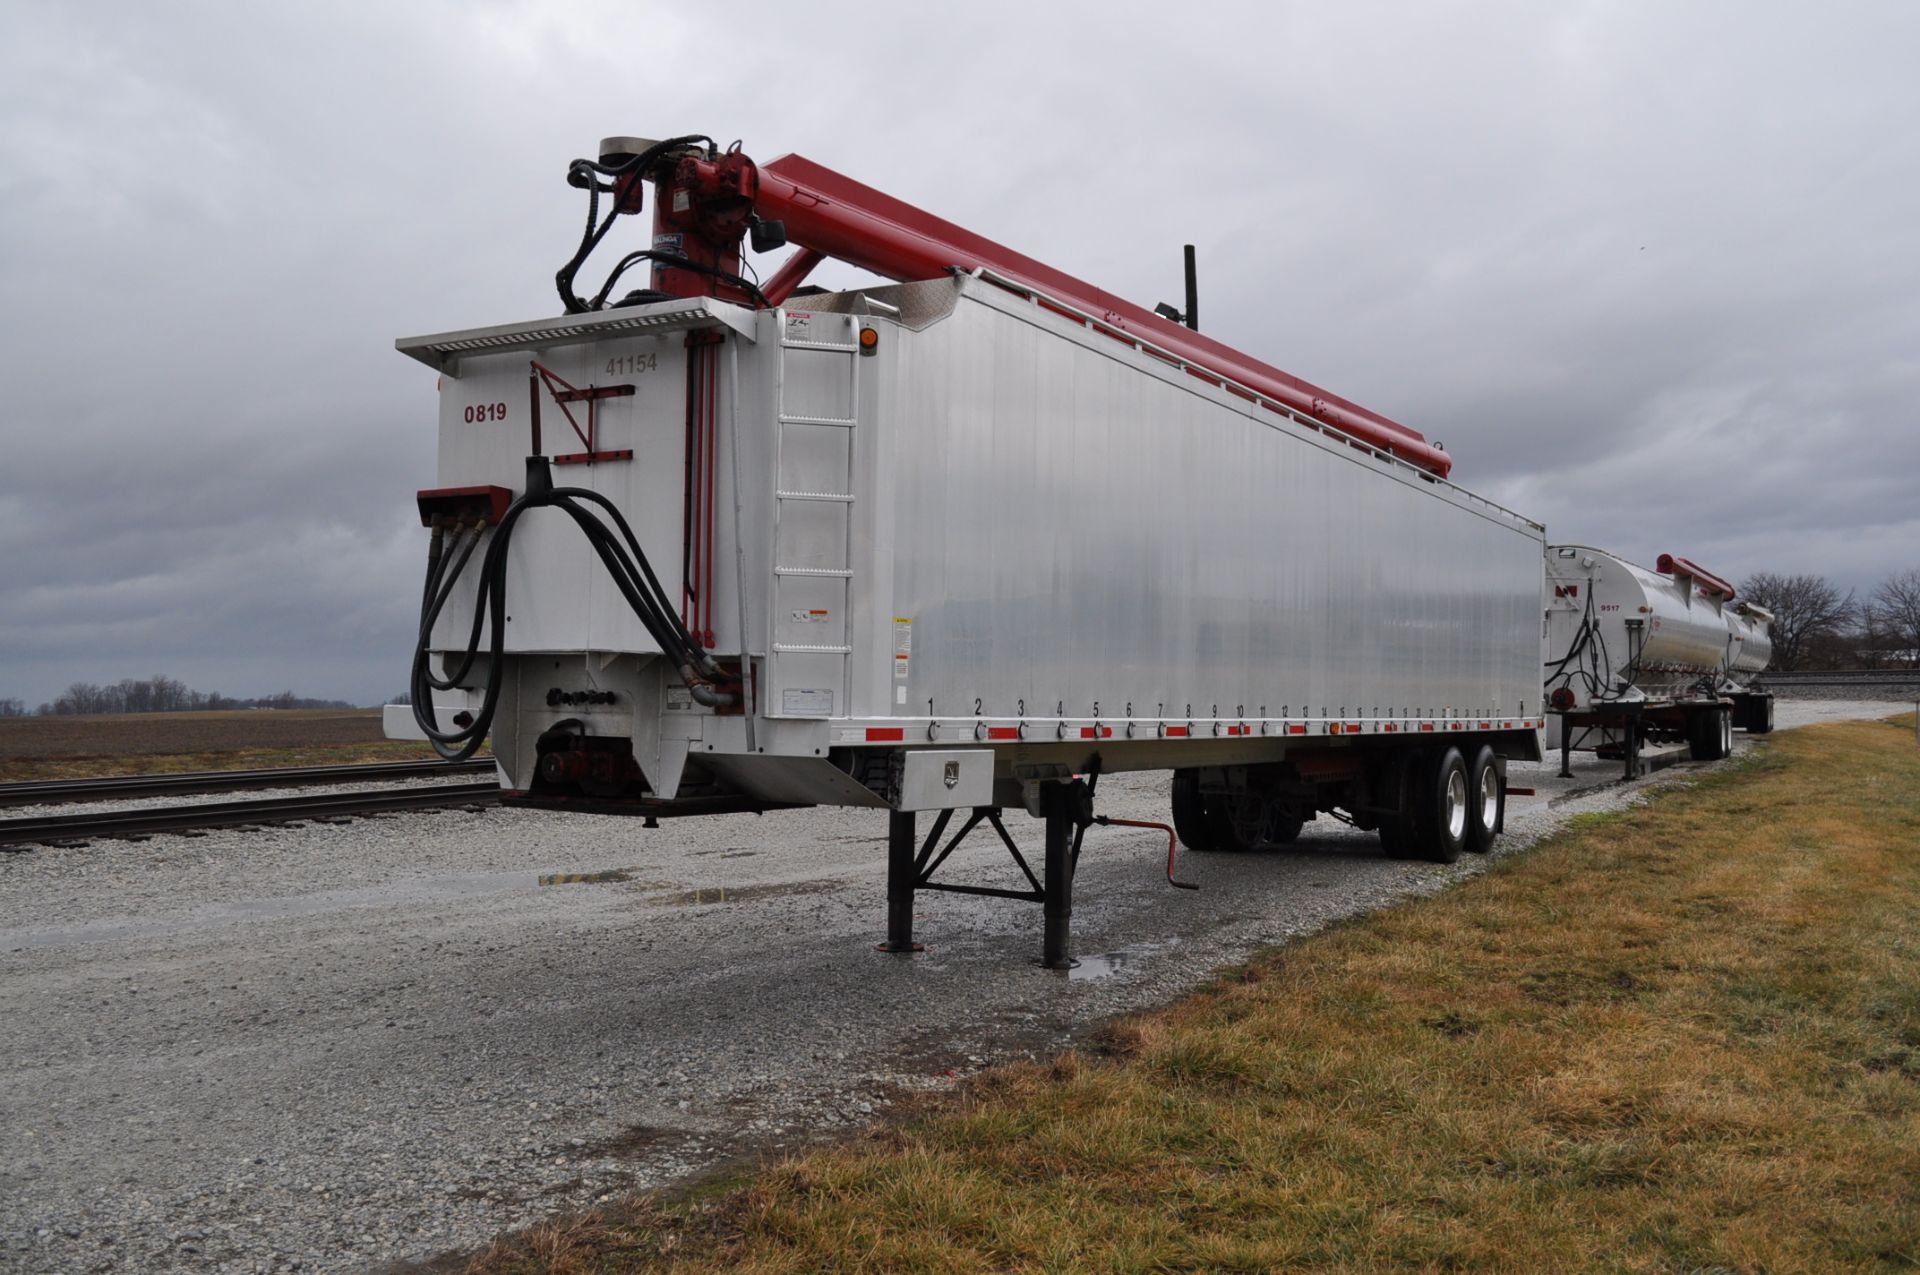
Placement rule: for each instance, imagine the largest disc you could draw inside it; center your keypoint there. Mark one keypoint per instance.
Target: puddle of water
(1108, 964)
(585, 878)
(742, 893)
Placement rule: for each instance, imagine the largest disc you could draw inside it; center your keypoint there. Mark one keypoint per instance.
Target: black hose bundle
(587, 174)
(624, 561)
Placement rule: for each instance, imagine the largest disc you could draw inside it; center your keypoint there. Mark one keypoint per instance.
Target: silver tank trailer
(1752, 642)
(1617, 631)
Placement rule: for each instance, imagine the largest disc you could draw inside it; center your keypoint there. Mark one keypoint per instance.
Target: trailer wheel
(1710, 734)
(1284, 827)
(1487, 798)
(1393, 793)
(1190, 819)
(1442, 809)
(1760, 717)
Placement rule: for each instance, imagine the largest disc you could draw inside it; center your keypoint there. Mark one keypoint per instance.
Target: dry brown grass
(165, 743)
(1682, 1038)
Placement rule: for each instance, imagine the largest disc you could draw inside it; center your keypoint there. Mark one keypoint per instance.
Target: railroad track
(1845, 677)
(41, 792)
(17, 834)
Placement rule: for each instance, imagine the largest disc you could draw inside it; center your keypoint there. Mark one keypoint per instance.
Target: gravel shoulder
(329, 1047)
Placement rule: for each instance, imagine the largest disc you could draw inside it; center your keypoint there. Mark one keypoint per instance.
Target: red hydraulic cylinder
(792, 273)
(1670, 565)
(835, 216)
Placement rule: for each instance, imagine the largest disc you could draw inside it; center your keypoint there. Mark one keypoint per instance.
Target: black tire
(1284, 827)
(1393, 791)
(1760, 718)
(1486, 800)
(1190, 816)
(1441, 810)
(1709, 734)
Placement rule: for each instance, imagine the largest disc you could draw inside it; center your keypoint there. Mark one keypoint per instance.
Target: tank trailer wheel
(1710, 734)
(1488, 801)
(1442, 809)
(1190, 819)
(1393, 793)
(1284, 827)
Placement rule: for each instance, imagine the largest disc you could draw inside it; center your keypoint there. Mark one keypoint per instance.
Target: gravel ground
(331, 1047)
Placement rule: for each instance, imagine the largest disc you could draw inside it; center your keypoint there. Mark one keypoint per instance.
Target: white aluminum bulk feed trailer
(957, 544)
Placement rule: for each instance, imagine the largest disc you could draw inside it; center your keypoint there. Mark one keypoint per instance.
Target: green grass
(1683, 1037)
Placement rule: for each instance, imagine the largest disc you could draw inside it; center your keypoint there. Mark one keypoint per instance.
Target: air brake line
(625, 562)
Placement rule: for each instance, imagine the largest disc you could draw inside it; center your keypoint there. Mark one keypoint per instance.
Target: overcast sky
(1649, 271)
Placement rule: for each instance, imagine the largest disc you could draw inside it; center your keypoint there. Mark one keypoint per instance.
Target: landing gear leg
(1063, 808)
(902, 874)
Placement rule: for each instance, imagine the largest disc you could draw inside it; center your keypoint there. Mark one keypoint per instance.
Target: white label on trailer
(810, 615)
(679, 700)
(806, 703)
(902, 647)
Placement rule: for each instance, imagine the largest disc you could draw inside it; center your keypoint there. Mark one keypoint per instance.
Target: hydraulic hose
(586, 173)
(625, 562)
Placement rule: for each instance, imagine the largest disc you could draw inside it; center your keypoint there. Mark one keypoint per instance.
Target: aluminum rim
(1489, 796)
(1726, 734)
(1456, 804)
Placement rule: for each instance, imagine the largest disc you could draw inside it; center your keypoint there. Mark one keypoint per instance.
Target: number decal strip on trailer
(1051, 730)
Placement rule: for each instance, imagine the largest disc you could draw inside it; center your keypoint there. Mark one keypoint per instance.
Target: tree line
(158, 694)
(1816, 626)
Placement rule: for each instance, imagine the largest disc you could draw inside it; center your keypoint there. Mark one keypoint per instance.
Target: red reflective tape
(1506, 725)
(1353, 728)
(1003, 732)
(1096, 732)
(885, 734)
(1486, 725)
(1296, 730)
(1176, 730)
(1426, 725)
(1390, 728)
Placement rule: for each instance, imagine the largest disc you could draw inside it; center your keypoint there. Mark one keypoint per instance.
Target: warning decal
(902, 647)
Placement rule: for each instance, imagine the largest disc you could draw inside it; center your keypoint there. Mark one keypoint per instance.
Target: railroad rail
(43, 792)
(17, 834)
(1845, 677)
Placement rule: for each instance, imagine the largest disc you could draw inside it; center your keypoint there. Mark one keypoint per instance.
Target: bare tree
(1895, 614)
(1807, 610)
(13, 708)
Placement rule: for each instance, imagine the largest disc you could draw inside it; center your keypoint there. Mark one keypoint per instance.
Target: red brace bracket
(563, 394)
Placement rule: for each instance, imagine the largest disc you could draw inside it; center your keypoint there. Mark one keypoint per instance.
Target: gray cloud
(1649, 271)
